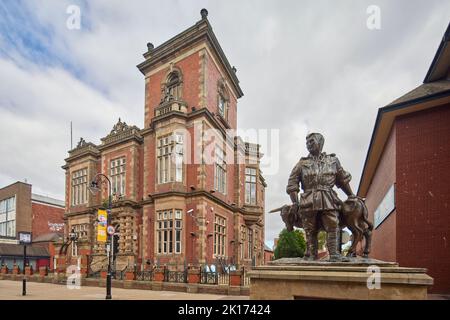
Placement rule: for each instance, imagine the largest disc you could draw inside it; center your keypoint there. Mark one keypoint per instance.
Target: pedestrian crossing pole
(24, 280)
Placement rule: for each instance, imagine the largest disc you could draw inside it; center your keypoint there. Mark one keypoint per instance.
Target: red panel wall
(42, 215)
(423, 197)
(384, 236)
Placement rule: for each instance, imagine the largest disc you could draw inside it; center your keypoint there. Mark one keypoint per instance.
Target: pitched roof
(441, 62)
(423, 90)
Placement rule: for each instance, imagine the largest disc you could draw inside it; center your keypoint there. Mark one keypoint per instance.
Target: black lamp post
(94, 188)
(24, 238)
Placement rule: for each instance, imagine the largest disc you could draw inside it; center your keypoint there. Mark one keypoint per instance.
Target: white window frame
(117, 173)
(169, 153)
(220, 236)
(250, 185)
(220, 171)
(79, 194)
(8, 217)
(169, 232)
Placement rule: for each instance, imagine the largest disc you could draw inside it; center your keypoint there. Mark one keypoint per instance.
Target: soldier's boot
(332, 245)
(311, 250)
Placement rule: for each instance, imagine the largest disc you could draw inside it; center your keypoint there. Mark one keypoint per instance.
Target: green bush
(290, 244)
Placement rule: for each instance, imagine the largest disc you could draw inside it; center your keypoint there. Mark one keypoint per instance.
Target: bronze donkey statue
(353, 215)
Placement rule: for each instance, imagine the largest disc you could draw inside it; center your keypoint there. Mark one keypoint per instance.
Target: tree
(322, 240)
(290, 244)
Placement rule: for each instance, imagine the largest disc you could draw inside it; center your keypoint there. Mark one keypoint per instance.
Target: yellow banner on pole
(102, 217)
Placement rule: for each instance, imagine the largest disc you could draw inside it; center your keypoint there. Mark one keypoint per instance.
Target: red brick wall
(384, 236)
(149, 165)
(213, 76)
(132, 170)
(190, 72)
(423, 196)
(192, 167)
(267, 256)
(43, 214)
(149, 213)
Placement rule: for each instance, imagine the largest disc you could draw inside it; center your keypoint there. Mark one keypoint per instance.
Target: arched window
(172, 87)
(222, 100)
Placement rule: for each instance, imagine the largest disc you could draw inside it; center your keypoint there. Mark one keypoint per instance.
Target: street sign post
(111, 230)
(24, 238)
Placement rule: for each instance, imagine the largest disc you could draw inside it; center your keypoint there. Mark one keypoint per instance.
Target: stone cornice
(82, 150)
(190, 116)
(116, 204)
(251, 214)
(202, 30)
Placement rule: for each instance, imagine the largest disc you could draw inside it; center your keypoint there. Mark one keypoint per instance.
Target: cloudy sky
(303, 66)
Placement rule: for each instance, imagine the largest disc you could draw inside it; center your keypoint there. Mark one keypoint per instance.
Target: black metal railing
(209, 277)
(214, 275)
(245, 279)
(146, 275)
(118, 275)
(93, 274)
(175, 276)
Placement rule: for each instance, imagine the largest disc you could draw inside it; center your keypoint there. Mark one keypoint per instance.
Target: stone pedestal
(129, 275)
(360, 279)
(28, 270)
(4, 270)
(235, 278)
(158, 275)
(16, 269)
(42, 271)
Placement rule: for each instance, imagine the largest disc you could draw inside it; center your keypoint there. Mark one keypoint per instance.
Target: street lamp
(94, 188)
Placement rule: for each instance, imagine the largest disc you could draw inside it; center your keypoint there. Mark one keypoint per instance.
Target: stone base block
(234, 291)
(365, 279)
(192, 288)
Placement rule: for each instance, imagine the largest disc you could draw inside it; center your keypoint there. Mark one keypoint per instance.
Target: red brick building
(406, 176)
(186, 189)
(23, 211)
(268, 254)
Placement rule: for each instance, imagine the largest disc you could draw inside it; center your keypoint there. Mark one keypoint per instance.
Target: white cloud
(303, 66)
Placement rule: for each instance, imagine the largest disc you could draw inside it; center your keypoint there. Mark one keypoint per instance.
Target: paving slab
(12, 290)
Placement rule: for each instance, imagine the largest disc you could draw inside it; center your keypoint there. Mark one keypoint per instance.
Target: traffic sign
(25, 237)
(111, 230)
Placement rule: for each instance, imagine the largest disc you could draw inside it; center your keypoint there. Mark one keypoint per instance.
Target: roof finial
(204, 13)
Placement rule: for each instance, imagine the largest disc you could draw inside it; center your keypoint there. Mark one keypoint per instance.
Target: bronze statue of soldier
(319, 204)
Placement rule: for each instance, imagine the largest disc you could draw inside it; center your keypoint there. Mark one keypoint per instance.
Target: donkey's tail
(365, 215)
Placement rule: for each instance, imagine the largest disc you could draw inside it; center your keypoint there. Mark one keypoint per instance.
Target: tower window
(172, 87)
(222, 100)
